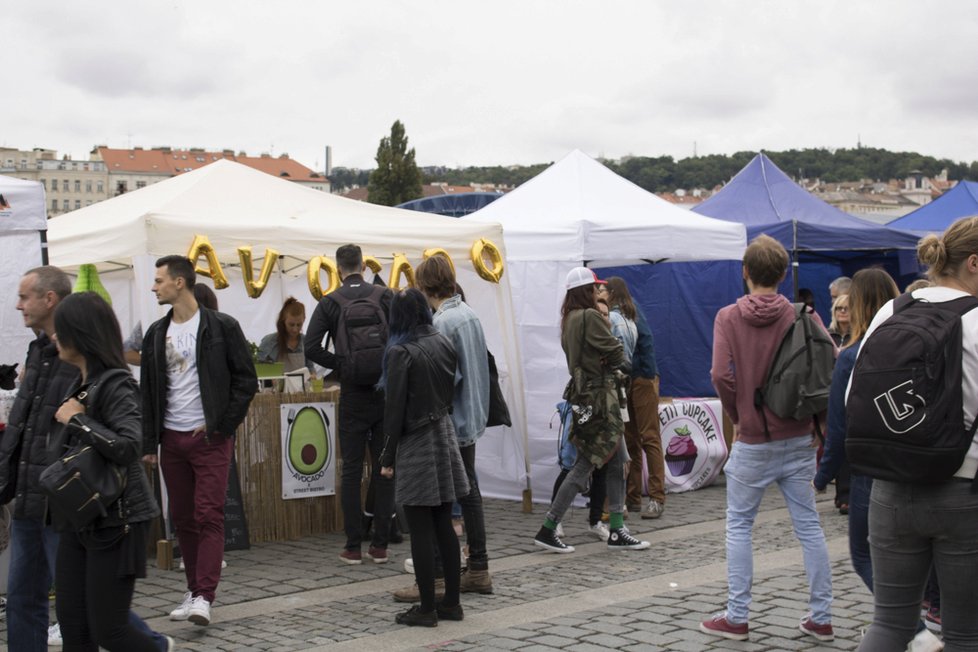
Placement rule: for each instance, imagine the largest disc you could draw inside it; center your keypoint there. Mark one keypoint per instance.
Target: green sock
(616, 521)
(550, 524)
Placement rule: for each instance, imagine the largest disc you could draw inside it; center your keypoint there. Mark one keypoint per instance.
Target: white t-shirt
(184, 409)
(969, 362)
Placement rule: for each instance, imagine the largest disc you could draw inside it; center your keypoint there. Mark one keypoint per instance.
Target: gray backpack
(797, 383)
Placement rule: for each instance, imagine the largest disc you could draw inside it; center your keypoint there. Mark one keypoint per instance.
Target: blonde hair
(834, 323)
(945, 254)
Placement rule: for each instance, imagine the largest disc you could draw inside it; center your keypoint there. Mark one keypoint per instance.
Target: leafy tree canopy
(397, 178)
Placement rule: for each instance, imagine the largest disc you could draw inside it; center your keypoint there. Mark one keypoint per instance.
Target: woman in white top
(912, 526)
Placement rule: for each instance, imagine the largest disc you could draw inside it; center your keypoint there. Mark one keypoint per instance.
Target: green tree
(397, 178)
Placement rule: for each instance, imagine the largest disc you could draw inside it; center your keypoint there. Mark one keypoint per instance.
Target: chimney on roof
(227, 152)
(138, 148)
(266, 155)
(242, 153)
(284, 155)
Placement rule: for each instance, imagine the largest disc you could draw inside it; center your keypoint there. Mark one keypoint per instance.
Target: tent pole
(44, 246)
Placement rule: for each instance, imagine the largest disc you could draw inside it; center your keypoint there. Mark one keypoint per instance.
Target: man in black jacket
(361, 409)
(197, 380)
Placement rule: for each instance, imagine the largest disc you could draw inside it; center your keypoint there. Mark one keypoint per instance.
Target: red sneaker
(379, 555)
(351, 557)
(720, 626)
(821, 632)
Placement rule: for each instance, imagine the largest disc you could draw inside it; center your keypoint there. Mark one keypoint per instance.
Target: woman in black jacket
(97, 566)
(420, 443)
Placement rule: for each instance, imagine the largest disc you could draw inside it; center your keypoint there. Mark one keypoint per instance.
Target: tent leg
(527, 501)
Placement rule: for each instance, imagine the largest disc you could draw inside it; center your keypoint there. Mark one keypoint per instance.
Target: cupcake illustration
(681, 452)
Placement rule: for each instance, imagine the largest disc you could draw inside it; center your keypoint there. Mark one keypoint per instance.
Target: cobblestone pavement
(298, 595)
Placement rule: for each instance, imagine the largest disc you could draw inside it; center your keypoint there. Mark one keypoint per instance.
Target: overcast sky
(501, 82)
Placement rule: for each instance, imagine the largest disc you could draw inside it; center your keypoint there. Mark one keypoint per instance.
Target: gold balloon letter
(255, 288)
(372, 264)
(399, 267)
(438, 251)
(480, 250)
(312, 273)
(201, 246)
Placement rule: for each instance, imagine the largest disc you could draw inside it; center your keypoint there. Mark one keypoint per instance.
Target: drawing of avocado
(309, 441)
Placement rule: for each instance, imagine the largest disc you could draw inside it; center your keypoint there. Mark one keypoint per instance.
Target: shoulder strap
(903, 301)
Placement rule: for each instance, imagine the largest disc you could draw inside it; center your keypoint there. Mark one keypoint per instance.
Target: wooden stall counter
(259, 453)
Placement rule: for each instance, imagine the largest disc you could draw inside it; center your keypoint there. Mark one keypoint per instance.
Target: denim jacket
(470, 405)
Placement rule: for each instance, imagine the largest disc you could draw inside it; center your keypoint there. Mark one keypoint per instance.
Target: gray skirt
(428, 470)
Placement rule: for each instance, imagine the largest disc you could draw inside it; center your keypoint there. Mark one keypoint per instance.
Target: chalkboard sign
(235, 525)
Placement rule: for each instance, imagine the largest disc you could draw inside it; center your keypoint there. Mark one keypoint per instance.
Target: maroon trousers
(195, 470)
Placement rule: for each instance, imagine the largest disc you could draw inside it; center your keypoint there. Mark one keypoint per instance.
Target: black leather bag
(498, 410)
(82, 484)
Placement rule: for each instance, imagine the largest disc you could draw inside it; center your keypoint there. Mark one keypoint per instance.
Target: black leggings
(432, 526)
(599, 489)
(92, 599)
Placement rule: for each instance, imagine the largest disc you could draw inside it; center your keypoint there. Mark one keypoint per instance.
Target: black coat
(112, 424)
(227, 375)
(25, 450)
(420, 387)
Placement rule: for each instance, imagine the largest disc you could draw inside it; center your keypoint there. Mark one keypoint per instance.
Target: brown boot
(476, 581)
(412, 594)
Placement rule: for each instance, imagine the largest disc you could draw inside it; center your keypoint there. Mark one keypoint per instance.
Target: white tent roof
(235, 205)
(579, 210)
(22, 208)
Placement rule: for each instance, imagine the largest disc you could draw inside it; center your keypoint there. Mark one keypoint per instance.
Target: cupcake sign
(693, 444)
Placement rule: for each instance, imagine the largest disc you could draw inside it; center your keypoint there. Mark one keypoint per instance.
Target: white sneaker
(600, 530)
(409, 565)
(170, 643)
(925, 641)
(183, 611)
(200, 611)
(559, 530)
(224, 564)
(54, 636)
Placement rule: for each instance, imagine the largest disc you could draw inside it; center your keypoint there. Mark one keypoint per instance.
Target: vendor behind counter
(285, 345)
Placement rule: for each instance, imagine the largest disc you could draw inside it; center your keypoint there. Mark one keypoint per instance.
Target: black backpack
(904, 415)
(798, 380)
(361, 335)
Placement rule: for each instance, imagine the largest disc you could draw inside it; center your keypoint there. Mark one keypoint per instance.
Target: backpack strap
(759, 391)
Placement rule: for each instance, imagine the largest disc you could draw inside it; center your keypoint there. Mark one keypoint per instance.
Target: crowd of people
(415, 383)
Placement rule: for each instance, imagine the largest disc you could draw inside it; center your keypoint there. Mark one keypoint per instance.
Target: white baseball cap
(581, 276)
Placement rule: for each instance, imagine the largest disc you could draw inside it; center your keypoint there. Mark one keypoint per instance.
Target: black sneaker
(620, 539)
(414, 617)
(449, 613)
(547, 538)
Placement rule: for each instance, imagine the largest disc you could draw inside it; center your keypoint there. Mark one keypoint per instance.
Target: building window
(64, 205)
(88, 185)
(44, 184)
(77, 204)
(64, 185)
(140, 184)
(120, 188)
(77, 185)
(54, 205)
(99, 188)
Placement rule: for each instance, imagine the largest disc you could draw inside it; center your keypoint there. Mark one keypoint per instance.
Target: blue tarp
(766, 200)
(453, 205)
(959, 201)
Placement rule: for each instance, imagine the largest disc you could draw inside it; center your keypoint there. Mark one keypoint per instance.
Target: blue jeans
(859, 488)
(751, 469)
(910, 528)
(33, 550)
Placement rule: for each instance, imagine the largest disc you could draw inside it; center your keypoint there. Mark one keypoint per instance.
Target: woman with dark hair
(421, 451)
(593, 358)
(97, 566)
(286, 343)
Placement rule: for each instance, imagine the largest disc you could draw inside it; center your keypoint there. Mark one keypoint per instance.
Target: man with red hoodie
(746, 336)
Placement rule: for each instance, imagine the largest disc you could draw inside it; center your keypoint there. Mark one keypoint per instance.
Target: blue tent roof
(959, 201)
(766, 200)
(453, 205)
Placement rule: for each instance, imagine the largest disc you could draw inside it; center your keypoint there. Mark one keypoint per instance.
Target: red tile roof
(171, 162)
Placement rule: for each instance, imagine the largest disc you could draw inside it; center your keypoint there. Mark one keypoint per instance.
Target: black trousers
(361, 424)
(431, 527)
(92, 598)
(599, 490)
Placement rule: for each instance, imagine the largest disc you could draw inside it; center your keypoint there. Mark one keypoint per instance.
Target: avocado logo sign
(692, 443)
(307, 450)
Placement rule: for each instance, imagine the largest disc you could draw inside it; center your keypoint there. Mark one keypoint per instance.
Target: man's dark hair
(766, 261)
(50, 279)
(349, 259)
(179, 267)
(85, 322)
(436, 278)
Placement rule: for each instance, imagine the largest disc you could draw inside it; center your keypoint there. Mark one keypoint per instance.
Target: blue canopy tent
(824, 242)
(959, 201)
(453, 205)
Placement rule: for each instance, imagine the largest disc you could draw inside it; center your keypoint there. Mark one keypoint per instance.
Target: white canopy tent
(236, 206)
(22, 218)
(578, 212)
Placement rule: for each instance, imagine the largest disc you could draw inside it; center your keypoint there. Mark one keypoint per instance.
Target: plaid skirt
(428, 468)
